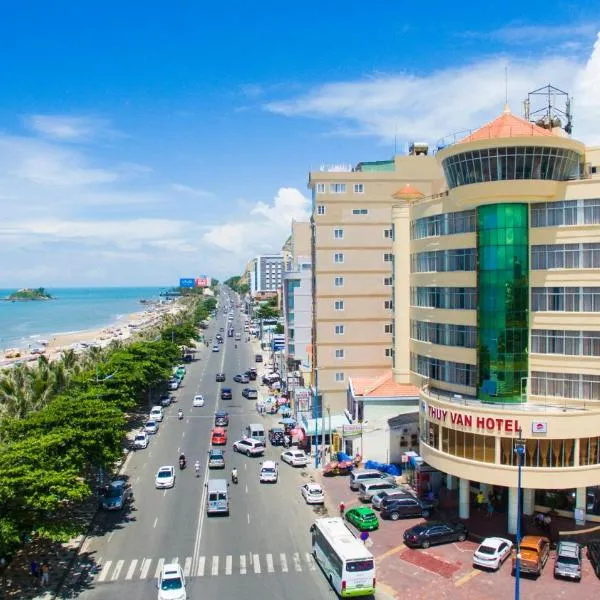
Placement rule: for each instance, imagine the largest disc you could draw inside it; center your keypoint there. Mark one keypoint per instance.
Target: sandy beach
(55, 344)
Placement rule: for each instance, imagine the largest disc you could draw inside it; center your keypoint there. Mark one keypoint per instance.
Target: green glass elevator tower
(502, 301)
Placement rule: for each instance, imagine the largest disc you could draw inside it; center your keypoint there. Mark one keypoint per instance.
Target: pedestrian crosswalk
(206, 566)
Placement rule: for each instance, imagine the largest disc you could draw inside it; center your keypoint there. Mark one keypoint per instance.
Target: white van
(217, 497)
(256, 431)
(157, 414)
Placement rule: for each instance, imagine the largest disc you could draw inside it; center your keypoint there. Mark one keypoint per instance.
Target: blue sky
(144, 141)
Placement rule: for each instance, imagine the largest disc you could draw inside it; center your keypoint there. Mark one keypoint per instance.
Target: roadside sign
(364, 536)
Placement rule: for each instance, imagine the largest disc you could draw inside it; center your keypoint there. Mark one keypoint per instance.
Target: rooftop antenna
(506, 85)
(549, 107)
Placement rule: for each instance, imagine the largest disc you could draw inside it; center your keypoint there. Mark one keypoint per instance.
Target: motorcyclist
(197, 467)
(182, 460)
(234, 475)
(236, 346)
(180, 413)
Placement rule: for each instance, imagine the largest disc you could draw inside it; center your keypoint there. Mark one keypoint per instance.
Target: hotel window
(545, 453)
(339, 376)
(444, 224)
(339, 330)
(565, 385)
(338, 281)
(388, 257)
(388, 234)
(339, 353)
(565, 256)
(389, 352)
(338, 257)
(388, 328)
(320, 188)
(320, 209)
(360, 211)
(388, 304)
(337, 188)
(339, 305)
(444, 297)
(444, 334)
(567, 212)
(444, 370)
(338, 234)
(359, 188)
(565, 299)
(468, 445)
(387, 281)
(571, 343)
(439, 261)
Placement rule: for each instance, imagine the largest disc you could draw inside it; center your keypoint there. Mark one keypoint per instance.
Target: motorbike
(234, 478)
(180, 414)
(182, 463)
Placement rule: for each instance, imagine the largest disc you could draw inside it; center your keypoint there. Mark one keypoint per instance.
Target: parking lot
(445, 571)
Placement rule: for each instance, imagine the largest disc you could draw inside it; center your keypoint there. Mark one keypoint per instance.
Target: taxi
(219, 436)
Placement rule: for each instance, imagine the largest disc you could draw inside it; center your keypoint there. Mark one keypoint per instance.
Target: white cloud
(460, 97)
(187, 189)
(67, 128)
(267, 228)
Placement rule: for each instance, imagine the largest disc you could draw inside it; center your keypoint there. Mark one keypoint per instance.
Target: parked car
(151, 426)
(276, 436)
(250, 393)
(363, 518)
(220, 377)
(295, 458)
(249, 447)
(216, 459)
(359, 476)
(535, 551)
(492, 552)
(215, 348)
(171, 583)
(141, 440)
(173, 384)
(221, 418)
(117, 494)
(424, 535)
(156, 413)
(409, 506)
(226, 394)
(166, 399)
(258, 358)
(381, 496)
(313, 493)
(568, 561)
(251, 374)
(198, 400)
(593, 553)
(165, 477)
(368, 489)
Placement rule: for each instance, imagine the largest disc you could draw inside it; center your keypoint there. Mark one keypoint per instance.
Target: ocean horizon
(71, 309)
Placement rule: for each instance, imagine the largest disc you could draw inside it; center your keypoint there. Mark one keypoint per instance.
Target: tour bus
(346, 562)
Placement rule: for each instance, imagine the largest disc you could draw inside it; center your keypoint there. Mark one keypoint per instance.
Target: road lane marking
(155, 522)
(131, 569)
(283, 561)
(467, 577)
(187, 568)
(310, 561)
(145, 568)
(165, 493)
(242, 564)
(159, 566)
(104, 571)
(270, 567)
(383, 556)
(246, 488)
(248, 518)
(110, 537)
(175, 560)
(297, 565)
(201, 564)
(215, 566)
(228, 563)
(256, 563)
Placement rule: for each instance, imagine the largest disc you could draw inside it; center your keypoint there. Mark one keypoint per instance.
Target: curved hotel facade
(502, 315)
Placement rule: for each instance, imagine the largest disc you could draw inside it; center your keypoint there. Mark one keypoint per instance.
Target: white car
(215, 348)
(296, 458)
(198, 400)
(151, 426)
(171, 583)
(492, 552)
(173, 384)
(165, 477)
(157, 414)
(269, 472)
(141, 440)
(249, 447)
(313, 493)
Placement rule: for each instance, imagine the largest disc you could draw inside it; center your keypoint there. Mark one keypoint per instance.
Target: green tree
(279, 328)
(266, 312)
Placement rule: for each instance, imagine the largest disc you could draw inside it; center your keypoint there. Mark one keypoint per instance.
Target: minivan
(217, 497)
(568, 561)
(256, 431)
(406, 506)
(367, 489)
(359, 475)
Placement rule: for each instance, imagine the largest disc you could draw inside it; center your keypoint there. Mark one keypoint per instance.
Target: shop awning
(311, 426)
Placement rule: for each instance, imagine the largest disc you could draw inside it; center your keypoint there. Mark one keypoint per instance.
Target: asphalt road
(261, 550)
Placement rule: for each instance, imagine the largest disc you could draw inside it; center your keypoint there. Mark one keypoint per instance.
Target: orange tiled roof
(383, 386)
(505, 126)
(407, 192)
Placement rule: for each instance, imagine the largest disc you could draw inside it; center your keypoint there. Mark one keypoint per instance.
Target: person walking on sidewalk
(480, 500)
(342, 509)
(45, 573)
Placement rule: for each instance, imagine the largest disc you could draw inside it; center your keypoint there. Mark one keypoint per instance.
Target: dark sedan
(406, 506)
(251, 374)
(220, 377)
(424, 535)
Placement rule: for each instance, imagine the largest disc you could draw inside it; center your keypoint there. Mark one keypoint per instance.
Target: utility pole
(316, 417)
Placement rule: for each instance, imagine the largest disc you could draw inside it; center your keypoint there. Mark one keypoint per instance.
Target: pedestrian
(45, 573)
(491, 496)
(35, 568)
(342, 509)
(490, 509)
(480, 500)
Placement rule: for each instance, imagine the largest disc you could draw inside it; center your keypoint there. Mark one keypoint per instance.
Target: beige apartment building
(351, 248)
(498, 322)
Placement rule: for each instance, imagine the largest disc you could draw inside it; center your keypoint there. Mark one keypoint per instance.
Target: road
(261, 550)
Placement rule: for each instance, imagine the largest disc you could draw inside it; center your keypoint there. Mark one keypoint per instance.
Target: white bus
(345, 560)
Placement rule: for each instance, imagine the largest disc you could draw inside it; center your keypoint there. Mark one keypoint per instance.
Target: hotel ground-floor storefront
(473, 444)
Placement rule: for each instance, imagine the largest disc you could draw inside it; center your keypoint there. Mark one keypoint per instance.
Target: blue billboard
(187, 282)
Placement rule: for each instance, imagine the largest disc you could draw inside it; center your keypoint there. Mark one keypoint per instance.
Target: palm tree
(24, 390)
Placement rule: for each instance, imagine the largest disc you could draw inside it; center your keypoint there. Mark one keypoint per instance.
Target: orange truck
(535, 551)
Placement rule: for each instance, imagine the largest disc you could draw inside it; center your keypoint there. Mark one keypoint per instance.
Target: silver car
(368, 489)
(216, 459)
(392, 493)
(568, 561)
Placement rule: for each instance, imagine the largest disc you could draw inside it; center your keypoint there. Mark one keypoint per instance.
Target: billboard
(203, 281)
(187, 282)
(195, 282)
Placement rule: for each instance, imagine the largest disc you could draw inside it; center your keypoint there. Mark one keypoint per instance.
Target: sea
(70, 310)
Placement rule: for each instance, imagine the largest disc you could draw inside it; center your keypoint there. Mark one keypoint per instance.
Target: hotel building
(268, 274)
(353, 268)
(502, 313)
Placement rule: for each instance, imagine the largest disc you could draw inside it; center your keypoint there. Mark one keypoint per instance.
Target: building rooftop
(506, 125)
(408, 192)
(383, 386)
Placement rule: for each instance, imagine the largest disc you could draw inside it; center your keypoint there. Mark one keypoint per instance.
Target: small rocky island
(29, 294)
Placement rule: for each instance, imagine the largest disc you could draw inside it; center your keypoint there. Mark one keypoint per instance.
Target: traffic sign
(364, 536)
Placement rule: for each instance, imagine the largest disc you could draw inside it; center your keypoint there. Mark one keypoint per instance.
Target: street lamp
(520, 450)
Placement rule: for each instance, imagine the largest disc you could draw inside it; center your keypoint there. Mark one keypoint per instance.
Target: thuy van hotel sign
(466, 421)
